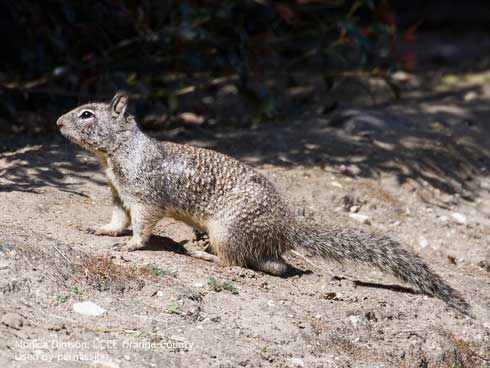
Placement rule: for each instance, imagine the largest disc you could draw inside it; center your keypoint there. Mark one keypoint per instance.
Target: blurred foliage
(57, 51)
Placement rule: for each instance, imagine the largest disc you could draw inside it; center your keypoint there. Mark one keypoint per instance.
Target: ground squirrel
(247, 221)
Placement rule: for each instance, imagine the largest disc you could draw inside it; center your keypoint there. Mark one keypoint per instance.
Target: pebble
(484, 264)
(358, 321)
(470, 96)
(330, 295)
(363, 219)
(423, 242)
(159, 293)
(297, 362)
(402, 76)
(88, 309)
(352, 169)
(7, 248)
(12, 320)
(354, 209)
(354, 320)
(104, 364)
(191, 118)
(443, 219)
(459, 218)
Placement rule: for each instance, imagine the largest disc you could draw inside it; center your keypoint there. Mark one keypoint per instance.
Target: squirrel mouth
(78, 142)
(71, 138)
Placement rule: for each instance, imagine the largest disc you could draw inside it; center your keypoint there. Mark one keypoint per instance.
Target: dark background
(176, 56)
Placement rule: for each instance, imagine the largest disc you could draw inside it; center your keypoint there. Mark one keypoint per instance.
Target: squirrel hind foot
(201, 254)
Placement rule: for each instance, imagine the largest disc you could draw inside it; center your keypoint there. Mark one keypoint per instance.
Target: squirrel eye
(86, 115)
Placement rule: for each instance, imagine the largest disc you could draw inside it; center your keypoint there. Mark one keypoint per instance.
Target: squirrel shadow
(294, 271)
(163, 243)
(392, 287)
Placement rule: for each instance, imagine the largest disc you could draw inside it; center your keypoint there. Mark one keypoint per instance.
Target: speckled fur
(248, 223)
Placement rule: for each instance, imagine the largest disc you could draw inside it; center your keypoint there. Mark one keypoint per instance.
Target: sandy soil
(418, 171)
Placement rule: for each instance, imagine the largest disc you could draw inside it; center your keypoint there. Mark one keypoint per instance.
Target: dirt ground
(416, 169)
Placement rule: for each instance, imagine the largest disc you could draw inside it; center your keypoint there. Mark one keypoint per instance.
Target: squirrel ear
(119, 104)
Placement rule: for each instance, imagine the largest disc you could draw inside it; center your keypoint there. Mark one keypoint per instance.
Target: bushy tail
(379, 251)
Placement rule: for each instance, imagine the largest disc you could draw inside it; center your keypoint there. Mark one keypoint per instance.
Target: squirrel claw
(129, 246)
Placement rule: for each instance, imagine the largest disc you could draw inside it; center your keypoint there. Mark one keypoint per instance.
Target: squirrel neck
(126, 140)
(128, 146)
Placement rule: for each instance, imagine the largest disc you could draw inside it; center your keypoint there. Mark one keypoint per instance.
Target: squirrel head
(98, 127)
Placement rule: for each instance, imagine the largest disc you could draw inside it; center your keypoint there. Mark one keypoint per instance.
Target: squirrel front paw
(107, 230)
(129, 246)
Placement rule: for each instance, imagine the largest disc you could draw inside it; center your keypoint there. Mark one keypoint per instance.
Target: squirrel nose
(59, 123)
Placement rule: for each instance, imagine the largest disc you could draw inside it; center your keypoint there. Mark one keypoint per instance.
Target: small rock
(12, 320)
(199, 285)
(104, 364)
(159, 293)
(354, 209)
(297, 362)
(88, 309)
(405, 78)
(7, 248)
(443, 219)
(459, 218)
(371, 316)
(336, 184)
(358, 321)
(330, 295)
(447, 198)
(229, 89)
(423, 242)
(363, 219)
(191, 118)
(485, 265)
(352, 169)
(470, 96)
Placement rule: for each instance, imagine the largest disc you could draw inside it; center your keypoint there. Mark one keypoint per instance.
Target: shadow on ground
(30, 168)
(440, 141)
